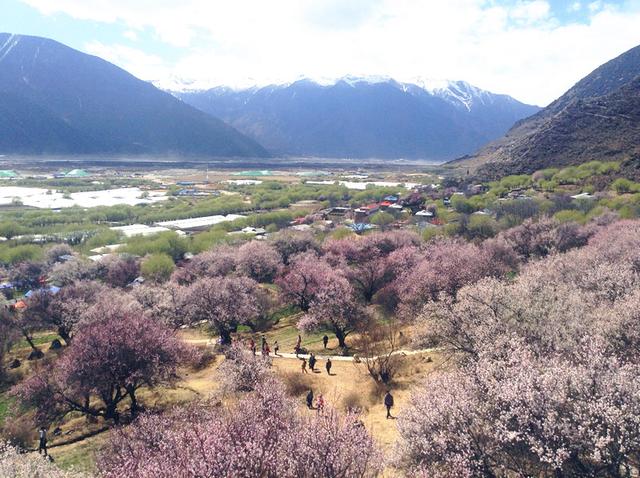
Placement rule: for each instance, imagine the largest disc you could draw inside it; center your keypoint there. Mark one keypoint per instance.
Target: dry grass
(351, 384)
(348, 386)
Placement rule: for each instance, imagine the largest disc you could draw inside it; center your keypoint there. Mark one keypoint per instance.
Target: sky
(533, 50)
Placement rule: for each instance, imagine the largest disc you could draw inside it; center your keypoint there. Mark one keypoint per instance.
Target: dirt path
(340, 358)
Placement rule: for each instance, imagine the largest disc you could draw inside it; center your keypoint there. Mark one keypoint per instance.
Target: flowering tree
(304, 277)
(331, 444)
(27, 275)
(546, 376)
(56, 252)
(120, 270)
(217, 262)
(261, 436)
(242, 371)
(259, 261)
(448, 266)
(65, 309)
(162, 302)
(335, 308)
(110, 358)
(73, 270)
(225, 303)
(539, 238)
(15, 464)
(526, 416)
(7, 338)
(289, 244)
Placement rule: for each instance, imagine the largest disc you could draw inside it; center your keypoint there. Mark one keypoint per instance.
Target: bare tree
(378, 348)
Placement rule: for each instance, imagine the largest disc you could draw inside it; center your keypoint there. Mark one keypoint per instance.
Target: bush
(296, 384)
(382, 219)
(168, 243)
(157, 267)
(20, 431)
(462, 204)
(570, 216)
(14, 254)
(624, 185)
(481, 227)
(353, 402)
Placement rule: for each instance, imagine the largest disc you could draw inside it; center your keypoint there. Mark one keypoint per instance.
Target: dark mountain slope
(597, 119)
(359, 117)
(107, 109)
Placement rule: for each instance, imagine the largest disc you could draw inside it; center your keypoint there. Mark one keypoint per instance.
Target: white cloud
(131, 35)
(136, 62)
(575, 7)
(531, 11)
(596, 6)
(519, 49)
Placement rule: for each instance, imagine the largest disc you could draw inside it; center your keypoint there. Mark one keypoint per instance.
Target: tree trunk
(62, 332)
(134, 401)
(30, 340)
(341, 336)
(225, 336)
(111, 413)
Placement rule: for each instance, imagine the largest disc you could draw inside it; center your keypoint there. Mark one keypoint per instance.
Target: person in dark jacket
(388, 403)
(328, 366)
(42, 444)
(325, 341)
(312, 362)
(310, 399)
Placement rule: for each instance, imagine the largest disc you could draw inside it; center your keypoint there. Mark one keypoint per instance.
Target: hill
(365, 117)
(597, 119)
(54, 99)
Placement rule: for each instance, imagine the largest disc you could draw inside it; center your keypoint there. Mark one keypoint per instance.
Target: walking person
(310, 400)
(312, 362)
(320, 403)
(325, 341)
(388, 403)
(304, 366)
(42, 445)
(276, 347)
(328, 366)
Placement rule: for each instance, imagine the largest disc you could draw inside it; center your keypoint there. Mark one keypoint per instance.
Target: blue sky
(531, 49)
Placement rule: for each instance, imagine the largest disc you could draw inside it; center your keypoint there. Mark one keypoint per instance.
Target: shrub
(157, 267)
(570, 216)
(624, 185)
(296, 384)
(353, 401)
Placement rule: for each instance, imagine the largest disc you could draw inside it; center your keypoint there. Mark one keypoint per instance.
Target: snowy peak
(460, 94)
(365, 116)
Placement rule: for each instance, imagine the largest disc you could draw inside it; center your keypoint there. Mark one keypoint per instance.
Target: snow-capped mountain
(372, 116)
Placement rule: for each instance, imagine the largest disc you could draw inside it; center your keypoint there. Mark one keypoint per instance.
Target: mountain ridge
(597, 118)
(363, 116)
(105, 109)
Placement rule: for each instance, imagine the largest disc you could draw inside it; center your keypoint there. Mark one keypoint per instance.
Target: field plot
(51, 199)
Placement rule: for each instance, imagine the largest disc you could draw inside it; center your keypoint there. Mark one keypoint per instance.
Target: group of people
(266, 350)
(312, 361)
(319, 402)
(312, 364)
